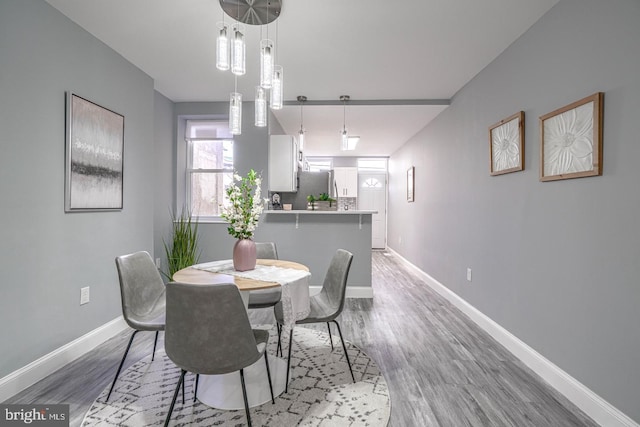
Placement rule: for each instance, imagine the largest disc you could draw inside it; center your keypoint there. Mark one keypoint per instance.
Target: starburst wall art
(506, 145)
(571, 140)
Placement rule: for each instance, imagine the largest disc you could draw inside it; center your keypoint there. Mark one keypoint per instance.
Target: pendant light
(266, 58)
(276, 88)
(344, 136)
(277, 83)
(238, 52)
(260, 107)
(231, 54)
(222, 48)
(301, 99)
(266, 63)
(235, 113)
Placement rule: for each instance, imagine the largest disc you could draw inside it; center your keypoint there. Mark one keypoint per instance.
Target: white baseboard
(30, 374)
(589, 402)
(352, 291)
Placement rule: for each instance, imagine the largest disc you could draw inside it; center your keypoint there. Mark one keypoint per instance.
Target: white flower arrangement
(245, 205)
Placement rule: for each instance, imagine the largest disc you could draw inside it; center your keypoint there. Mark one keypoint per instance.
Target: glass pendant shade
(276, 88)
(266, 63)
(238, 66)
(222, 50)
(301, 139)
(344, 142)
(260, 107)
(235, 113)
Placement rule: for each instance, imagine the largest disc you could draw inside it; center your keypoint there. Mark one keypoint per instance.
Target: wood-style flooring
(441, 369)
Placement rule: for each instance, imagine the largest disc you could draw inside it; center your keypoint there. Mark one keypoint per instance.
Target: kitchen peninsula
(311, 237)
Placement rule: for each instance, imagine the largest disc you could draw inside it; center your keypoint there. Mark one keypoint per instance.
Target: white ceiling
(368, 49)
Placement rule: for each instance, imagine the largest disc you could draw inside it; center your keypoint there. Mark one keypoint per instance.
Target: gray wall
(47, 255)
(165, 174)
(555, 263)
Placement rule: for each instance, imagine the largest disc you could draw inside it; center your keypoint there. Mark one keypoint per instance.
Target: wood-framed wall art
(411, 180)
(93, 156)
(571, 140)
(506, 145)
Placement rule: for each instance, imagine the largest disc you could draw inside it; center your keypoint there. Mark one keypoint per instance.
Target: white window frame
(190, 170)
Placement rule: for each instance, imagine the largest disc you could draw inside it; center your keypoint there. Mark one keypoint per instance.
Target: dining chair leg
(344, 347)
(266, 361)
(195, 390)
(279, 347)
(183, 392)
(244, 395)
(330, 337)
(121, 363)
(175, 396)
(286, 385)
(155, 343)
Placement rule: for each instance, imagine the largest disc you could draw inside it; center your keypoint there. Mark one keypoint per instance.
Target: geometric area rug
(321, 392)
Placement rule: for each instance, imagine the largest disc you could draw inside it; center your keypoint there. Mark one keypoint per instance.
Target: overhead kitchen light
(347, 143)
(352, 141)
(301, 99)
(250, 12)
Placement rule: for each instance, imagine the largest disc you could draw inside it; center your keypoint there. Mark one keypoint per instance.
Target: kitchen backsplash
(347, 203)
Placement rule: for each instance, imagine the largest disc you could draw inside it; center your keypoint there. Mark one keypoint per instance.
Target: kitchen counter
(349, 212)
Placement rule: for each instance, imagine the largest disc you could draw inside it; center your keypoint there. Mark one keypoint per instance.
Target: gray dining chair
(142, 292)
(325, 306)
(265, 298)
(208, 332)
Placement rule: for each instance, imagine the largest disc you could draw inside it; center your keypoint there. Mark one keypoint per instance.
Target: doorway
(372, 195)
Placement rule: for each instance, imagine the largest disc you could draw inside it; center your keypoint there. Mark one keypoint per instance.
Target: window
(371, 183)
(209, 166)
(372, 165)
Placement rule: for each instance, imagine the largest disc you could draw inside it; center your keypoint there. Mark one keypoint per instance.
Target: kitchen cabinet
(283, 163)
(346, 181)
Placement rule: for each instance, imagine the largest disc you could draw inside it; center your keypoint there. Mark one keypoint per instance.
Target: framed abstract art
(94, 157)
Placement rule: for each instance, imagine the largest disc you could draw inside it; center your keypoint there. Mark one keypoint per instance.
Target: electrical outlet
(84, 295)
(158, 263)
(468, 274)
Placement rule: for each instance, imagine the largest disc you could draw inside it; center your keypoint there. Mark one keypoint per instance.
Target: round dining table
(225, 391)
(197, 276)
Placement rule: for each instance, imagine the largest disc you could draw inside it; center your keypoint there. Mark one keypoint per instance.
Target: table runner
(295, 285)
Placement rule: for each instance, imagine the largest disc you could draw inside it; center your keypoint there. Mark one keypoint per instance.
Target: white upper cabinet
(346, 181)
(283, 163)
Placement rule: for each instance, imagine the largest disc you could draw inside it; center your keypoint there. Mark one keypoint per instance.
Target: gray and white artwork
(568, 145)
(94, 157)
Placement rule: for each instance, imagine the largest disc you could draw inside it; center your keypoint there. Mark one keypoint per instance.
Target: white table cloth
(295, 285)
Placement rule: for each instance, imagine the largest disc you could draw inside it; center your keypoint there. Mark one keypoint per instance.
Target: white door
(372, 195)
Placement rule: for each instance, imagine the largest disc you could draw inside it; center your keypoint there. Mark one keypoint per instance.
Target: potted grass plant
(183, 250)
